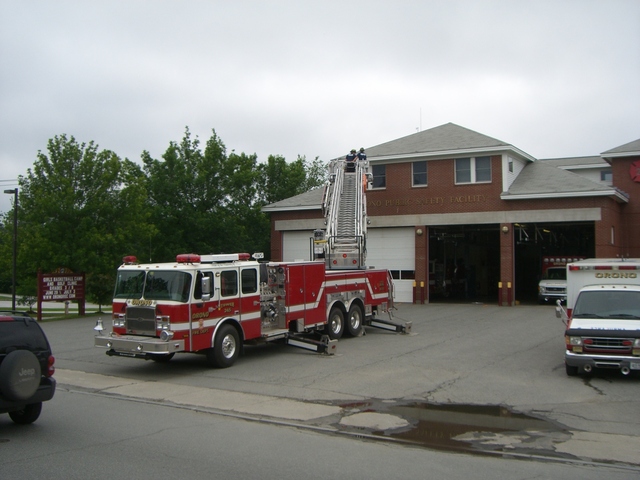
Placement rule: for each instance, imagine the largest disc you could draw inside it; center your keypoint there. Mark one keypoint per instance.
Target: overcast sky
(555, 78)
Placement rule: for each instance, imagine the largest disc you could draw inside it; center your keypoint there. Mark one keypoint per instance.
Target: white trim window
(473, 170)
(379, 176)
(419, 174)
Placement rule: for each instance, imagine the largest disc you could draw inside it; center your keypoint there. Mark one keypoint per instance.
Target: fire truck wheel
(163, 358)
(354, 322)
(226, 348)
(335, 326)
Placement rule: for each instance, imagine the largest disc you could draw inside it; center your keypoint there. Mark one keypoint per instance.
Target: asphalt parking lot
(458, 355)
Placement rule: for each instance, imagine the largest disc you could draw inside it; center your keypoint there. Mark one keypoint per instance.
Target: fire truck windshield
(153, 285)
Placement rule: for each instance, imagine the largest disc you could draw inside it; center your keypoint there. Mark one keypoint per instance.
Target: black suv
(26, 367)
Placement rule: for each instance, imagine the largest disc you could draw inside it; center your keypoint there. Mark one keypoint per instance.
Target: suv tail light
(50, 368)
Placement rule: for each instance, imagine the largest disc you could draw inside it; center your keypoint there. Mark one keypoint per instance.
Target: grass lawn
(56, 313)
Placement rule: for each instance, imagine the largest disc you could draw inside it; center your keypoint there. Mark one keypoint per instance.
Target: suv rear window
(21, 333)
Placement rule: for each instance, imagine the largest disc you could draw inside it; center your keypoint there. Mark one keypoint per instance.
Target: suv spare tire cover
(19, 375)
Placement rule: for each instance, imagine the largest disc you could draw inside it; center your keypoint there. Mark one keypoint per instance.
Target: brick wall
(628, 237)
(440, 196)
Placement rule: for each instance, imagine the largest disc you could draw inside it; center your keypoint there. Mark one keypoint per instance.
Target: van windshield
(153, 285)
(608, 304)
(555, 274)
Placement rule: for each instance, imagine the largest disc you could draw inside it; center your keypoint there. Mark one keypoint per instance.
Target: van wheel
(354, 321)
(226, 348)
(335, 325)
(571, 371)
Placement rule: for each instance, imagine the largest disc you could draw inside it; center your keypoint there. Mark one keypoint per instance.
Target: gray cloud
(316, 78)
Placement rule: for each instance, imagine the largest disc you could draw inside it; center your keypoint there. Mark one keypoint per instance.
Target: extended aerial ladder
(343, 244)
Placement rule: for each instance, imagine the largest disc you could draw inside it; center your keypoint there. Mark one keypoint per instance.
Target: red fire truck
(215, 304)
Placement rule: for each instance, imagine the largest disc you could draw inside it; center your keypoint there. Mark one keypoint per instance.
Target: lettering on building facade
(425, 201)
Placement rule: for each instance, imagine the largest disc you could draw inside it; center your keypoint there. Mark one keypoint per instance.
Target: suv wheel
(19, 375)
(27, 414)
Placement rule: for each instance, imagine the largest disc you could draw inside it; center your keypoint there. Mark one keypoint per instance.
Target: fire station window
(473, 170)
(379, 176)
(606, 176)
(407, 274)
(419, 173)
(403, 274)
(197, 294)
(249, 280)
(229, 283)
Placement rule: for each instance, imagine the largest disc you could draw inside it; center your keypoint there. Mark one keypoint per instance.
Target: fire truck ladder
(346, 216)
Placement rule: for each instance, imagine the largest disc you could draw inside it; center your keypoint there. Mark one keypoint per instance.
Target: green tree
(316, 173)
(246, 227)
(6, 251)
(205, 202)
(185, 195)
(82, 209)
(282, 180)
(210, 202)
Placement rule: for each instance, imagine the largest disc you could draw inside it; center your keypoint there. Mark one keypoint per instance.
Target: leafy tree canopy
(84, 208)
(79, 208)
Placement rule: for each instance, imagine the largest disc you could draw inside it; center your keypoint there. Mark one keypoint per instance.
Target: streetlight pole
(14, 191)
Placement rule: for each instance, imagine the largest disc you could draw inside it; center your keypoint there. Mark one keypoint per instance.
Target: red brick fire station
(463, 216)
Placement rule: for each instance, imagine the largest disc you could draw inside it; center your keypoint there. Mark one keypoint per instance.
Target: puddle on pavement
(478, 428)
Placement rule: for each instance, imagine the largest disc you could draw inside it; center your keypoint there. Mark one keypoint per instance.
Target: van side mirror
(206, 288)
(561, 312)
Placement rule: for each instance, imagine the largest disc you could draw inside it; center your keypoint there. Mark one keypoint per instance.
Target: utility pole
(14, 191)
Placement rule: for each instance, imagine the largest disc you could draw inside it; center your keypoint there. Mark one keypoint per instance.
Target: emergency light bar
(573, 268)
(561, 260)
(223, 257)
(130, 260)
(187, 258)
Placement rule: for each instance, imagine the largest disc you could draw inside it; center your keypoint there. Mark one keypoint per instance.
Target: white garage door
(394, 249)
(389, 248)
(296, 245)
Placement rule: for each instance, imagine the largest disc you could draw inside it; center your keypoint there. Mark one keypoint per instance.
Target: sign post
(61, 286)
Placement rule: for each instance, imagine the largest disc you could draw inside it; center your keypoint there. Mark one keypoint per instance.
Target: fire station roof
(446, 140)
(538, 180)
(571, 163)
(630, 149)
(543, 180)
(311, 200)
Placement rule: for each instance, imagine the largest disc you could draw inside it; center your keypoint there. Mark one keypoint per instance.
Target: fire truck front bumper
(137, 346)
